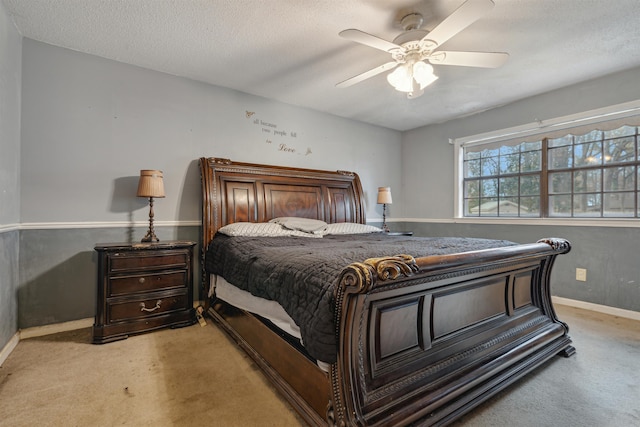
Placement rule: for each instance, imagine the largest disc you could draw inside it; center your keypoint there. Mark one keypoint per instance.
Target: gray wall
(608, 253)
(10, 86)
(90, 124)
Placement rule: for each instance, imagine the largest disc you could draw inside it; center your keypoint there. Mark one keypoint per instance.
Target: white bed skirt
(268, 309)
(246, 301)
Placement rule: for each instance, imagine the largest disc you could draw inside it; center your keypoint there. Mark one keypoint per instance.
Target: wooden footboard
(425, 340)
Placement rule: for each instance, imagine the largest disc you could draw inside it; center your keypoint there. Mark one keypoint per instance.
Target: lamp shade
(150, 184)
(401, 78)
(405, 77)
(423, 74)
(384, 195)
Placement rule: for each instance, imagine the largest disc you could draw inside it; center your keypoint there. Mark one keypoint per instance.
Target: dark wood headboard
(236, 192)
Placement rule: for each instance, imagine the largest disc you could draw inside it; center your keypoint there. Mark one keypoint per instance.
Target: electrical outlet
(581, 274)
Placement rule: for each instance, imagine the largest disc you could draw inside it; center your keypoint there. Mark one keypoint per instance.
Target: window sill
(565, 222)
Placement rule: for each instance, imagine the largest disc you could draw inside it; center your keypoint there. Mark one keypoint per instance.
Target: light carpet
(197, 376)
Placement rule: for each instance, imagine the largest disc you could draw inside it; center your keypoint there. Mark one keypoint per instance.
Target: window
(503, 180)
(594, 175)
(588, 174)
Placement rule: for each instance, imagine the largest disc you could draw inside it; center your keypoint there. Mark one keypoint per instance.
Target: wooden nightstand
(142, 287)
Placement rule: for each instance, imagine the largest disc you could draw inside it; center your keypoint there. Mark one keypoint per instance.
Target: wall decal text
(284, 141)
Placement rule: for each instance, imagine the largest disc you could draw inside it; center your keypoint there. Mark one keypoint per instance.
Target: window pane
(530, 206)
(586, 181)
(489, 166)
(623, 131)
(560, 182)
(560, 158)
(588, 154)
(509, 149)
(509, 206)
(471, 207)
(619, 204)
(587, 205)
(509, 164)
(490, 152)
(509, 186)
(620, 178)
(471, 155)
(530, 185)
(560, 205)
(620, 150)
(472, 168)
(559, 142)
(532, 146)
(488, 207)
(595, 135)
(531, 161)
(472, 189)
(489, 187)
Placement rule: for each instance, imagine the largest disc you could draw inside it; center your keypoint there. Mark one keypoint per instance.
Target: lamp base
(384, 218)
(150, 237)
(151, 234)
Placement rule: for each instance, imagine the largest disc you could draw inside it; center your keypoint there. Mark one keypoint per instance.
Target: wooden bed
(420, 341)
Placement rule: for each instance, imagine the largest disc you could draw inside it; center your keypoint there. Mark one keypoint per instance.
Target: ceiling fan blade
(461, 18)
(369, 40)
(367, 74)
(469, 59)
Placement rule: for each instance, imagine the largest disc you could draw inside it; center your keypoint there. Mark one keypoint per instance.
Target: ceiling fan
(412, 49)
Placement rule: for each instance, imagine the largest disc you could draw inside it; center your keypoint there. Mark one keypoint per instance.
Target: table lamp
(150, 185)
(384, 198)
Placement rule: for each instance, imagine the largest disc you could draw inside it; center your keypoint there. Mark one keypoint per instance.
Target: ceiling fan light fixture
(401, 78)
(423, 74)
(410, 49)
(405, 77)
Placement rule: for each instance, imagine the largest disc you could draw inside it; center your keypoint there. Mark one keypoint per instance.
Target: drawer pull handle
(144, 308)
(141, 280)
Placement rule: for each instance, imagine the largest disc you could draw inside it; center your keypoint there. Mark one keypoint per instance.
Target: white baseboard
(613, 311)
(38, 331)
(7, 349)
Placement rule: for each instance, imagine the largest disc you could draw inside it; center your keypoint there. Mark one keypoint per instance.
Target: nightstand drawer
(133, 309)
(150, 260)
(147, 282)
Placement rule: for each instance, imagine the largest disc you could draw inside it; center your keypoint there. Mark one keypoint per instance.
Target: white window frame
(569, 123)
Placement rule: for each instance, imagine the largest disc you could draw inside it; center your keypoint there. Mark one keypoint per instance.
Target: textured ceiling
(290, 51)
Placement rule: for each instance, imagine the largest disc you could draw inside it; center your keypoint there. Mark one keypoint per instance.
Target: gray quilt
(300, 273)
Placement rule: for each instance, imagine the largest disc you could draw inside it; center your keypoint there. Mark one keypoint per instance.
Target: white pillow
(261, 229)
(307, 225)
(351, 228)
